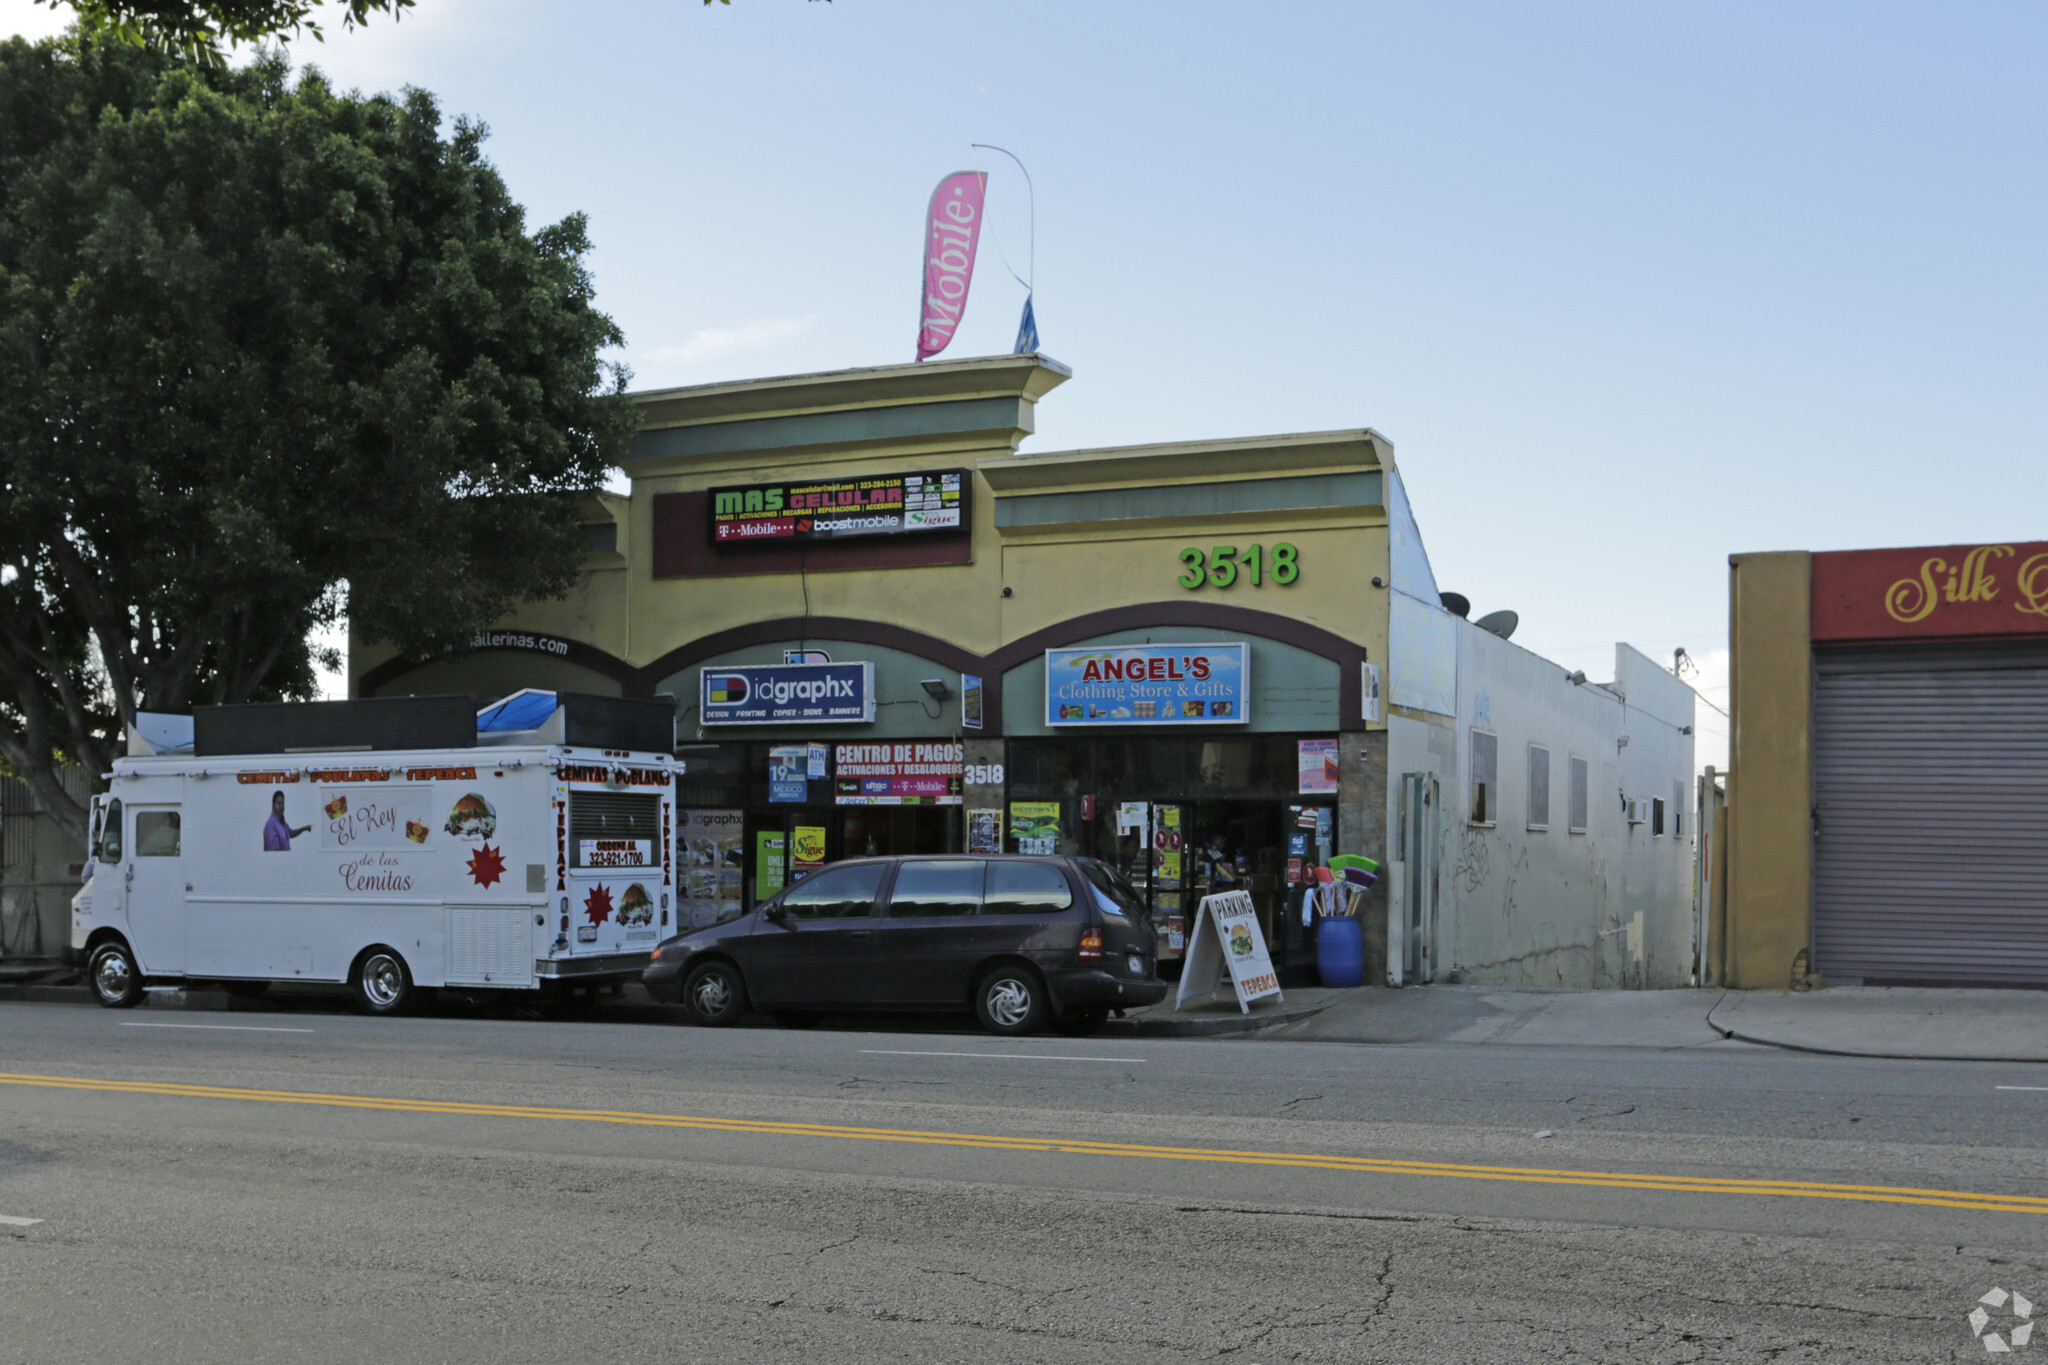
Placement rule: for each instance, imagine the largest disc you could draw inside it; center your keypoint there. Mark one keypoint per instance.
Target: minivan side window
(110, 837)
(937, 888)
(1026, 889)
(836, 893)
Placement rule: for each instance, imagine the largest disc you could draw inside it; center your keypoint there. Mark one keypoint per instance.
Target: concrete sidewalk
(1892, 1021)
(1944, 1025)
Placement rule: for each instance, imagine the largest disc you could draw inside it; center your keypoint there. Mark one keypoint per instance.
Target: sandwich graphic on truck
(472, 818)
(635, 907)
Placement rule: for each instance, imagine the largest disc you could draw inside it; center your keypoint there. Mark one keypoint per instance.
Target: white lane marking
(2022, 1087)
(220, 1028)
(8, 1220)
(1003, 1056)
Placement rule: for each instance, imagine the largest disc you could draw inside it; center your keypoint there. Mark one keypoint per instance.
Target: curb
(654, 1012)
(1732, 1036)
(47, 995)
(1170, 1027)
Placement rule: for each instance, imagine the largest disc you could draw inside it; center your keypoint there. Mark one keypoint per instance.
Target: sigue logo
(2020, 1331)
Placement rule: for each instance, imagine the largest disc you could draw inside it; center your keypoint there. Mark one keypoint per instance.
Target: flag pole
(1028, 326)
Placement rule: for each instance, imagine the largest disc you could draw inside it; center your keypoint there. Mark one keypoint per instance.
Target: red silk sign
(952, 229)
(1931, 592)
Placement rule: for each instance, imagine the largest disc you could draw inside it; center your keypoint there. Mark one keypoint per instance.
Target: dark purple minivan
(1022, 941)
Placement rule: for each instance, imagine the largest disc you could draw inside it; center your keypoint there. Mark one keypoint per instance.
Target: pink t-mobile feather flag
(952, 227)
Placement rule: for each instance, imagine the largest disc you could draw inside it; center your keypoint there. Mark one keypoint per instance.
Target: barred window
(1485, 778)
(1539, 787)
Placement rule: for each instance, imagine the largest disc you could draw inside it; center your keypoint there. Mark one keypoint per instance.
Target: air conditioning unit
(1638, 810)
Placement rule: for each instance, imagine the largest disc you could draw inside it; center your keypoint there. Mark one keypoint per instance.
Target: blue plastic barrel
(1340, 950)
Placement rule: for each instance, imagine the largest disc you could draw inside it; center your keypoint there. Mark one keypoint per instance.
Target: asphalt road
(276, 1184)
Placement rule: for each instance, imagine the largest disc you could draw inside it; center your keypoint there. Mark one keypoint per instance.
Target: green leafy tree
(198, 29)
(267, 353)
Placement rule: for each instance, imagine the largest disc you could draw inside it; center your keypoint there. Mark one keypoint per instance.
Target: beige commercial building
(1215, 663)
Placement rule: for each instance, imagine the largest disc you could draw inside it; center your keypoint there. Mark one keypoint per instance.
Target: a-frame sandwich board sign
(1225, 938)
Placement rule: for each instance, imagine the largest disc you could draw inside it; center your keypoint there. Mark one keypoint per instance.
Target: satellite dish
(1501, 623)
(1456, 603)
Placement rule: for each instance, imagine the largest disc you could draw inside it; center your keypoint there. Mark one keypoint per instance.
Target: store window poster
(1166, 846)
(1035, 825)
(788, 766)
(985, 831)
(713, 854)
(806, 851)
(769, 852)
(1316, 765)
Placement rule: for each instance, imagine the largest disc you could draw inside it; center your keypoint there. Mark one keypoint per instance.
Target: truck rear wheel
(382, 983)
(116, 978)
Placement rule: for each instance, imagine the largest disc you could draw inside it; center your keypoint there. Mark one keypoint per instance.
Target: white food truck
(394, 846)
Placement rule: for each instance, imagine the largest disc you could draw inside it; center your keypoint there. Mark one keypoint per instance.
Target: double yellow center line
(1530, 1175)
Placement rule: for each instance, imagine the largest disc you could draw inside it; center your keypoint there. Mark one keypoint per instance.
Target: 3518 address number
(1223, 565)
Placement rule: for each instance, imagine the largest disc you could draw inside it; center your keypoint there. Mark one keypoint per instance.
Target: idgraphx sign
(788, 694)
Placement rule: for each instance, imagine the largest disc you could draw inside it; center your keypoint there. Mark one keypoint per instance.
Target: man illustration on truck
(278, 833)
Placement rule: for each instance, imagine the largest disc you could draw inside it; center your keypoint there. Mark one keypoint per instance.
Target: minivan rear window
(1026, 889)
(1106, 883)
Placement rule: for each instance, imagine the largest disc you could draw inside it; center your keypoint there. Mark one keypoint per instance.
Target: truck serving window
(614, 829)
(156, 834)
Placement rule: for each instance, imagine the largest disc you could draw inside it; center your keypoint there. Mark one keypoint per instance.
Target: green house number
(1221, 566)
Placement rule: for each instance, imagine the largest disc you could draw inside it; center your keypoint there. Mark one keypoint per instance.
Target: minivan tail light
(1091, 945)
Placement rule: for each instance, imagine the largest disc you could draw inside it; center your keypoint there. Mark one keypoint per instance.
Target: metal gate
(1930, 768)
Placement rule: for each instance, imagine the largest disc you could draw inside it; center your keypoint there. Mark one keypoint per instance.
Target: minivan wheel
(1010, 1000)
(714, 995)
(382, 983)
(116, 979)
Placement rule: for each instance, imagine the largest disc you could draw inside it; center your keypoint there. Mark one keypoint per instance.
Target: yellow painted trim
(1175, 528)
(1318, 452)
(1028, 377)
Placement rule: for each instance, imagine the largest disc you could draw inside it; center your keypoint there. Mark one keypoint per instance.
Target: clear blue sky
(1629, 286)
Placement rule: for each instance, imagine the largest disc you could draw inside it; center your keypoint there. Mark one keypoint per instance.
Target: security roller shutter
(1930, 769)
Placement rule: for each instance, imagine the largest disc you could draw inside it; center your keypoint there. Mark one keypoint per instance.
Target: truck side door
(154, 879)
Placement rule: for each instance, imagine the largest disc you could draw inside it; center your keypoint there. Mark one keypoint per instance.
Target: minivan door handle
(860, 933)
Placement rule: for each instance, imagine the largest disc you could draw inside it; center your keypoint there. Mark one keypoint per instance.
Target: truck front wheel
(382, 983)
(115, 977)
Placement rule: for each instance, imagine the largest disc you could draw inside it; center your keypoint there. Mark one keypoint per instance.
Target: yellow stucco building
(887, 630)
